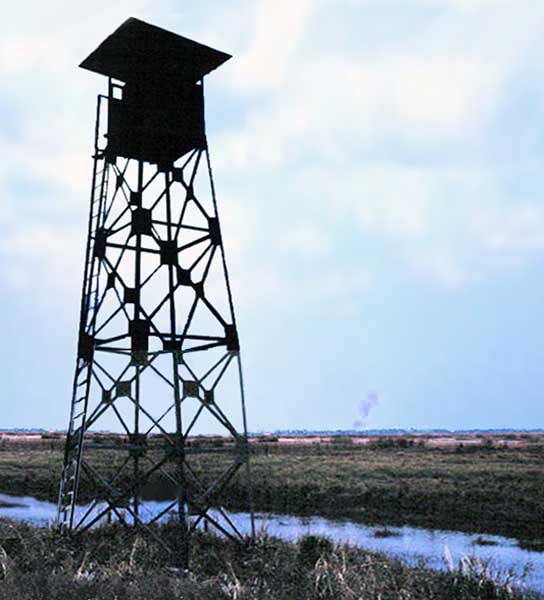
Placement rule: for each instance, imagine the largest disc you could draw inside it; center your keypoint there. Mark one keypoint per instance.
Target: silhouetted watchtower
(158, 351)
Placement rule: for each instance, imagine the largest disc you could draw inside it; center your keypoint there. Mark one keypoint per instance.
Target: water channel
(411, 544)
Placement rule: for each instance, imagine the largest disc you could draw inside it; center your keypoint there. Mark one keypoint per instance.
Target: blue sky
(379, 173)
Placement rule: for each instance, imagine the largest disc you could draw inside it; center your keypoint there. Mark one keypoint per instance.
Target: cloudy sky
(379, 168)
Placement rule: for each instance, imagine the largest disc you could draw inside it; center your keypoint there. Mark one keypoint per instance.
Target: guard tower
(158, 354)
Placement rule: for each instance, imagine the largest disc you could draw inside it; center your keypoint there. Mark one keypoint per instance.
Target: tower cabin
(157, 116)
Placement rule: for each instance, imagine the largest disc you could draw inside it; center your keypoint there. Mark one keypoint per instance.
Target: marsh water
(436, 547)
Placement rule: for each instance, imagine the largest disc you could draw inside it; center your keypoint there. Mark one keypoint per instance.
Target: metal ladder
(82, 378)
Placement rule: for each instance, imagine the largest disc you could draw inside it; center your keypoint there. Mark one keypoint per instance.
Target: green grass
(492, 490)
(111, 563)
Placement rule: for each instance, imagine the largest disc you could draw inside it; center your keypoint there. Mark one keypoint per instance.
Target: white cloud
(277, 29)
(441, 265)
(308, 240)
(517, 230)
(438, 96)
(388, 200)
(23, 53)
(472, 5)
(269, 286)
(443, 87)
(44, 261)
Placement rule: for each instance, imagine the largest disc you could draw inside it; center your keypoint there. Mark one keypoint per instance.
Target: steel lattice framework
(158, 350)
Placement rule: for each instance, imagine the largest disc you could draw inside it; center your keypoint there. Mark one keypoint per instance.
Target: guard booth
(157, 114)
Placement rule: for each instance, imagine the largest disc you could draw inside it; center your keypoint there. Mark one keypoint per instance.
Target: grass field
(111, 563)
(476, 487)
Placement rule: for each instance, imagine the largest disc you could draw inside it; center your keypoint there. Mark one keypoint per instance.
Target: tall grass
(111, 563)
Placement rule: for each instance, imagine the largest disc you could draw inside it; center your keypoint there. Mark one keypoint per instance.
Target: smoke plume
(364, 408)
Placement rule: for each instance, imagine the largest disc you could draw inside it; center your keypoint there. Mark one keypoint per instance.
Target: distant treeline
(381, 432)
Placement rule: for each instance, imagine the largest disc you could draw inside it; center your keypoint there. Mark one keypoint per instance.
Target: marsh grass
(111, 563)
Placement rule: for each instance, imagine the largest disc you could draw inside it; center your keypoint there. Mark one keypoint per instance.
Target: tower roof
(137, 48)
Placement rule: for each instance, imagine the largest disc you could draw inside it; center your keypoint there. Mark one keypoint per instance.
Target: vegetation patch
(482, 541)
(10, 504)
(385, 532)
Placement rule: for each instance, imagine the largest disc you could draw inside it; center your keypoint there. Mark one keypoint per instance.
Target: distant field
(472, 483)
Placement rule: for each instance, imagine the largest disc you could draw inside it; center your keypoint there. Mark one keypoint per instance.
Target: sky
(378, 166)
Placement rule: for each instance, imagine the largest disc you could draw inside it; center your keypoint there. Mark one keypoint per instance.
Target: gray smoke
(364, 408)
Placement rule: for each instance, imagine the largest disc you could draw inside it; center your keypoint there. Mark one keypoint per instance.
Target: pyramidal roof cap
(137, 48)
